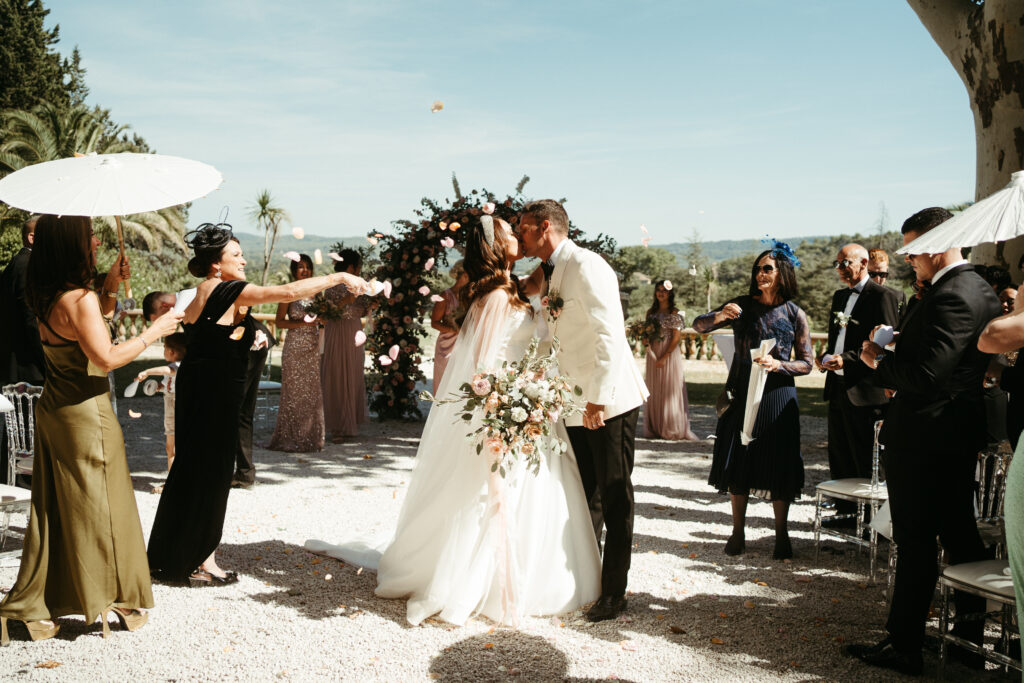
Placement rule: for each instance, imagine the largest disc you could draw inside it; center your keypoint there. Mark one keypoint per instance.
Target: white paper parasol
(997, 218)
(108, 185)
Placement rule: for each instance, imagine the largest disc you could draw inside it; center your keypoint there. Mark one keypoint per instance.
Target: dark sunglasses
(878, 273)
(845, 263)
(766, 268)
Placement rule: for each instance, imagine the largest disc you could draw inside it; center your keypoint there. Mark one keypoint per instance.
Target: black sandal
(201, 577)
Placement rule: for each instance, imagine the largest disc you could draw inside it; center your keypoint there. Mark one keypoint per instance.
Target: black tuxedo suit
(934, 428)
(855, 401)
(245, 468)
(21, 352)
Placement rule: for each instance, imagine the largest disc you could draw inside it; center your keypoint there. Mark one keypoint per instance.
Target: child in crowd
(174, 352)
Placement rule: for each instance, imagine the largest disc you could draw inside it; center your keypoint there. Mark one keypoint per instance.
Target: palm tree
(47, 133)
(268, 219)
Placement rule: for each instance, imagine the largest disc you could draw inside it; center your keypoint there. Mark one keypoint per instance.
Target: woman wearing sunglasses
(770, 466)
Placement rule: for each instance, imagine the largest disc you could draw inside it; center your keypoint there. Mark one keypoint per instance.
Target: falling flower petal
(489, 208)
(436, 298)
(309, 317)
(667, 284)
(643, 229)
(334, 256)
(372, 240)
(133, 414)
(360, 338)
(298, 233)
(237, 333)
(385, 361)
(455, 226)
(424, 290)
(442, 225)
(448, 242)
(429, 264)
(437, 106)
(318, 256)
(292, 255)
(645, 241)
(387, 289)
(378, 234)
(393, 352)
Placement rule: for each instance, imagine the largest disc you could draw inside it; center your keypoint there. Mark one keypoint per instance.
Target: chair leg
(817, 526)
(943, 627)
(873, 539)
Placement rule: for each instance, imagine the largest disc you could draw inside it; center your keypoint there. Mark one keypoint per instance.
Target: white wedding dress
(471, 542)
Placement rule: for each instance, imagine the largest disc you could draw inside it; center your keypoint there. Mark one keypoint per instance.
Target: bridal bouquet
(518, 406)
(323, 309)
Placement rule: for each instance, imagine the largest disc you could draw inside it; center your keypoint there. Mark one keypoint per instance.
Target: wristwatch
(878, 358)
(110, 295)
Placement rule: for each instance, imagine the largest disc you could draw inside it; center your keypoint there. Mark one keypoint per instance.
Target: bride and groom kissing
(469, 541)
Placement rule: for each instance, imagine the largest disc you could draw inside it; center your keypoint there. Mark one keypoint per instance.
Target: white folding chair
(866, 493)
(18, 408)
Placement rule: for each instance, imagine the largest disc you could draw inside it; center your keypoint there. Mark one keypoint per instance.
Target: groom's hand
(593, 418)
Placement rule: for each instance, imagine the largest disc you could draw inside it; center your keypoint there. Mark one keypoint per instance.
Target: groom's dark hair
(551, 211)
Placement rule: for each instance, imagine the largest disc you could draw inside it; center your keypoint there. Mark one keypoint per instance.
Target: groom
(584, 313)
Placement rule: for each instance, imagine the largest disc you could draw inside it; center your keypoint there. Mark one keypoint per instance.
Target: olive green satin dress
(84, 550)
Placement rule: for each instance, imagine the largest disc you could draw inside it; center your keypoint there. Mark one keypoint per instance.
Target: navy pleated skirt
(770, 466)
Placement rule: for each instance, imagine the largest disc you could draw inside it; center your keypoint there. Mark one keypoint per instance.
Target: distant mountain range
(252, 247)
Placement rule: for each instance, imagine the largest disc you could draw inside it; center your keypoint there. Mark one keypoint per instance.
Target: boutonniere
(553, 303)
(842, 319)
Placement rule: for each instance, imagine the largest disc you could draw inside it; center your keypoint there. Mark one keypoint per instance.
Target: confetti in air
(360, 338)
(437, 106)
(318, 256)
(298, 233)
(424, 290)
(429, 264)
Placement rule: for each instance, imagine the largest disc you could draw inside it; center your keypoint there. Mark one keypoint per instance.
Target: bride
(469, 541)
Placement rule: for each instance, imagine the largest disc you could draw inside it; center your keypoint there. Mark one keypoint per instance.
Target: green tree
(268, 218)
(31, 70)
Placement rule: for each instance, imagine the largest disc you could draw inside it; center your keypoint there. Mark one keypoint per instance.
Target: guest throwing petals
(211, 379)
(84, 552)
(444, 318)
(300, 415)
(769, 466)
(667, 413)
(341, 374)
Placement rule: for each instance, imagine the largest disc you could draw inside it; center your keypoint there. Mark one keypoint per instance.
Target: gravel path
(695, 614)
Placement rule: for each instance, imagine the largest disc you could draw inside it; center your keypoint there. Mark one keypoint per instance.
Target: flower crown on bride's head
(781, 250)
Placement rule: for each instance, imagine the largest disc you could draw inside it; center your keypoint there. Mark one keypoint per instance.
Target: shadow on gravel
(501, 656)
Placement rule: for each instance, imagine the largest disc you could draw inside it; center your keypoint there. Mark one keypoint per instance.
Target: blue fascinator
(781, 249)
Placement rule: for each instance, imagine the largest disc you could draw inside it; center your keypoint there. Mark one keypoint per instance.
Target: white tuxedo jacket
(593, 349)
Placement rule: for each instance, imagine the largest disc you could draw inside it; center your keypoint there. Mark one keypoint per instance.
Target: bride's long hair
(486, 264)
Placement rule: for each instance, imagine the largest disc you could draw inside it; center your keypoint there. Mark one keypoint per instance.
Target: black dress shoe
(783, 548)
(886, 656)
(607, 607)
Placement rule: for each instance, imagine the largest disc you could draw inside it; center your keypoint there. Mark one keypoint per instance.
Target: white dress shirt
(850, 303)
(951, 266)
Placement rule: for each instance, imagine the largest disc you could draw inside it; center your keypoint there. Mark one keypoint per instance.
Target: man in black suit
(245, 468)
(855, 402)
(21, 352)
(878, 271)
(934, 428)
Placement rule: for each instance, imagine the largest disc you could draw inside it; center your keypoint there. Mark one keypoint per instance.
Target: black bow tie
(548, 268)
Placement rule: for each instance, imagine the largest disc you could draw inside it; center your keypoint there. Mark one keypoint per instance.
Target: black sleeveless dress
(210, 383)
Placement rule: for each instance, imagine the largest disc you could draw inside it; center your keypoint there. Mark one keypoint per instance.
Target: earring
(216, 272)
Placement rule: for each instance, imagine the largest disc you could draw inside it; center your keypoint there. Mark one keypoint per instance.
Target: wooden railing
(132, 323)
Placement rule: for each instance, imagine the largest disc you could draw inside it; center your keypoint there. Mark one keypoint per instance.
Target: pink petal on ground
(309, 317)
(393, 352)
(293, 255)
(436, 298)
(448, 242)
(360, 338)
(385, 361)
(489, 208)
(424, 290)
(387, 289)
(133, 414)
(429, 264)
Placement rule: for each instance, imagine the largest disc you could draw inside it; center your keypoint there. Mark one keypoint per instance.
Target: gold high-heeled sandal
(131, 619)
(37, 630)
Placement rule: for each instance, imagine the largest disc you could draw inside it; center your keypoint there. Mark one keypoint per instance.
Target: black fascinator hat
(207, 241)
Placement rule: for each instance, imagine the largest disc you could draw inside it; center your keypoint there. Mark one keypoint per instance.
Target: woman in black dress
(770, 466)
(220, 331)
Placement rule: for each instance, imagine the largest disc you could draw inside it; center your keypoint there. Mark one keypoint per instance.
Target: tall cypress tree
(31, 69)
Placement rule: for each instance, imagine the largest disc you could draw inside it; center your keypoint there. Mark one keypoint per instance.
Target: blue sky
(736, 118)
